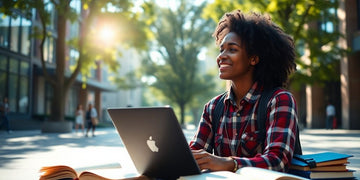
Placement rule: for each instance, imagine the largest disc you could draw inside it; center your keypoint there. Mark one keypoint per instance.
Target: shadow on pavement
(18, 144)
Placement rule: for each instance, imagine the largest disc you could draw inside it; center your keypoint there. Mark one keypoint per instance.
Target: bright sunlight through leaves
(107, 34)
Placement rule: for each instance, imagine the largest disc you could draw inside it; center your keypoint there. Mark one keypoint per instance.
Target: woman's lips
(224, 66)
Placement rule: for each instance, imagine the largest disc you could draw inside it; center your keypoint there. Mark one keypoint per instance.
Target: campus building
(349, 15)
(344, 94)
(22, 79)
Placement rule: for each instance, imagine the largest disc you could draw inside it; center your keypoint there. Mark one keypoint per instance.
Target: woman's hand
(207, 161)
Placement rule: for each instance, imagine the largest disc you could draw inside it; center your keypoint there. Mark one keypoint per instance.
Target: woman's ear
(254, 60)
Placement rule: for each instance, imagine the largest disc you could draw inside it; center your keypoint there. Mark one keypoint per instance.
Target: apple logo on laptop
(151, 144)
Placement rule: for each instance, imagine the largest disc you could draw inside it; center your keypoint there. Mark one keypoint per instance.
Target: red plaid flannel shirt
(236, 135)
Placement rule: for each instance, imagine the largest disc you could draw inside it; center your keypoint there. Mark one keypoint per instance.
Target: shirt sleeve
(280, 135)
(204, 135)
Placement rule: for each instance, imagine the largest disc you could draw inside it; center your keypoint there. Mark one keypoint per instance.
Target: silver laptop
(155, 141)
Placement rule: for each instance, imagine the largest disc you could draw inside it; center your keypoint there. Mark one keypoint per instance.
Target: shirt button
(238, 114)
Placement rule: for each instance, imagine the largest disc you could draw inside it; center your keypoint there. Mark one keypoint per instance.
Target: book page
(57, 172)
(246, 173)
(111, 173)
(253, 173)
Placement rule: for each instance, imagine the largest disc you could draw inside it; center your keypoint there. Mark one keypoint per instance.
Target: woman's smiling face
(233, 61)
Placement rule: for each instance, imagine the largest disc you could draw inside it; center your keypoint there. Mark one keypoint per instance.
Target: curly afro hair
(262, 38)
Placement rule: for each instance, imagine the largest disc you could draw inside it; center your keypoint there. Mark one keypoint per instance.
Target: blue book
(319, 159)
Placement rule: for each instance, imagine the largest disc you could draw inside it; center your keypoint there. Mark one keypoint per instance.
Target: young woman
(79, 119)
(255, 55)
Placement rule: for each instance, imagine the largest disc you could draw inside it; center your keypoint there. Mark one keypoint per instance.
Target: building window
(76, 6)
(52, 16)
(3, 76)
(23, 100)
(328, 23)
(25, 36)
(49, 50)
(73, 57)
(71, 102)
(15, 32)
(4, 30)
(14, 83)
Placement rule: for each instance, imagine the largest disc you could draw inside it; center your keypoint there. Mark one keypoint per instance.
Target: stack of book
(326, 165)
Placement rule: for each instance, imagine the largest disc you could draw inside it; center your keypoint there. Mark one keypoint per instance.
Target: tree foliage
(179, 36)
(95, 14)
(313, 25)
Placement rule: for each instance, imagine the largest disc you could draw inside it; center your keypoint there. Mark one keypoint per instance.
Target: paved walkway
(23, 153)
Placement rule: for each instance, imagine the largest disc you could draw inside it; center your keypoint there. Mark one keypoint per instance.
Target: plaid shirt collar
(251, 96)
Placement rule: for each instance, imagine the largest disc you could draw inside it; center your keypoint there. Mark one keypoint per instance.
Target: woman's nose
(221, 56)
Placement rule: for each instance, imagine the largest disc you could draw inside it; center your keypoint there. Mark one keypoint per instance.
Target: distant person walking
(330, 115)
(4, 110)
(79, 120)
(91, 120)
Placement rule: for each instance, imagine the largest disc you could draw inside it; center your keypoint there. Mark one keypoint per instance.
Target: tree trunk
(59, 88)
(182, 114)
(58, 104)
(196, 116)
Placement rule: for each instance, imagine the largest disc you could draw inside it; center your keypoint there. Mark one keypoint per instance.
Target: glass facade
(14, 83)
(3, 76)
(15, 64)
(51, 9)
(23, 98)
(73, 57)
(21, 78)
(15, 33)
(4, 30)
(25, 36)
(328, 21)
(49, 50)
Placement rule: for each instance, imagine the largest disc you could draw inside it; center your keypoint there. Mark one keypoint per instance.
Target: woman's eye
(232, 50)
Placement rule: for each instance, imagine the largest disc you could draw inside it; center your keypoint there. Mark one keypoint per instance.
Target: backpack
(261, 118)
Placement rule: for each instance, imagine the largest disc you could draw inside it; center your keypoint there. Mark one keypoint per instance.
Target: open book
(245, 173)
(255, 173)
(251, 173)
(67, 173)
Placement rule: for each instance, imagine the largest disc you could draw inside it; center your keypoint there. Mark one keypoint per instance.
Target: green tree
(197, 105)
(301, 20)
(180, 35)
(115, 12)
